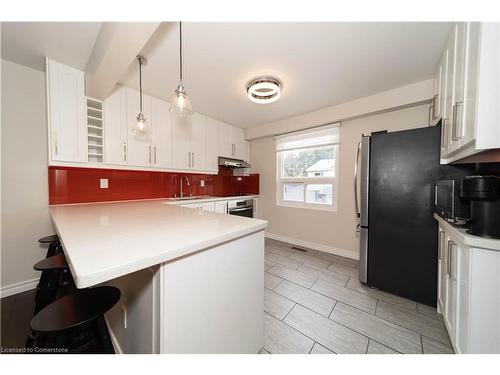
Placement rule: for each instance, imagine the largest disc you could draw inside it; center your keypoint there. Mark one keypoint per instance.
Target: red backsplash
(81, 185)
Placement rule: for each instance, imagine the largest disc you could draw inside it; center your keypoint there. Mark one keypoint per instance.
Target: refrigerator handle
(356, 163)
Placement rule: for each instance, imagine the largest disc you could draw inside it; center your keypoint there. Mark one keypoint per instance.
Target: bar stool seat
(55, 262)
(82, 306)
(49, 239)
(75, 323)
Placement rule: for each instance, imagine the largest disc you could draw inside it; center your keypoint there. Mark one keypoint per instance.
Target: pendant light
(181, 105)
(141, 129)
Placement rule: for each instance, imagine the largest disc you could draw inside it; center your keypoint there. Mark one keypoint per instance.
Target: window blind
(324, 135)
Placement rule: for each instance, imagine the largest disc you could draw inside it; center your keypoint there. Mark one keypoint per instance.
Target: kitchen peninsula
(191, 280)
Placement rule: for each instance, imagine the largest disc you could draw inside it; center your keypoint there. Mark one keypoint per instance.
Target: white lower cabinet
(202, 206)
(469, 293)
(221, 207)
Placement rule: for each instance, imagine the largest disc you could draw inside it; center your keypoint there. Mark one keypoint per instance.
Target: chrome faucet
(182, 188)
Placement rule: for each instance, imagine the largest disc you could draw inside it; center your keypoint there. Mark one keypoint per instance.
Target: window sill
(308, 206)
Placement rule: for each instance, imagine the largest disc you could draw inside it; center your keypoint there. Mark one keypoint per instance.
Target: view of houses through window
(307, 169)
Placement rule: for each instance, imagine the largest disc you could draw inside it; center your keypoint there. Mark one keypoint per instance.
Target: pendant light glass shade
(141, 129)
(181, 105)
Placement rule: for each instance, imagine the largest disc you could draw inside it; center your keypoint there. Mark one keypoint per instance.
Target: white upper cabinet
(181, 146)
(161, 142)
(67, 131)
(198, 141)
(212, 151)
(470, 111)
(115, 128)
(139, 149)
(190, 142)
(231, 142)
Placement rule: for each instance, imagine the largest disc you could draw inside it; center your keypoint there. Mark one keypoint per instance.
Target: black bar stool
(54, 244)
(55, 280)
(75, 323)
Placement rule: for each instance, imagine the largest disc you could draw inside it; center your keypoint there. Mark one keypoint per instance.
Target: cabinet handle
(56, 148)
(450, 254)
(189, 155)
(430, 116)
(124, 151)
(149, 148)
(193, 159)
(440, 246)
(155, 154)
(448, 258)
(454, 126)
(457, 130)
(435, 106)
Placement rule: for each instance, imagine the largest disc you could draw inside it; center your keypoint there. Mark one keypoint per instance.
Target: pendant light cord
(180, 51)
(140, 82)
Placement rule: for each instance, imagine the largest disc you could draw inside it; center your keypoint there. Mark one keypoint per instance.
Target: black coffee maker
(484, 195)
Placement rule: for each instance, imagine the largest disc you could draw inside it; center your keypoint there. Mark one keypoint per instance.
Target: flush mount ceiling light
(264, 90)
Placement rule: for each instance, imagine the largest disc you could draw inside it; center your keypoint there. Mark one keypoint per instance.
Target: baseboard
(314, 246)
(23, 286)
(114, 341)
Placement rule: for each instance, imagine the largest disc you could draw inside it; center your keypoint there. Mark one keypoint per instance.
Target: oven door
(246, 211)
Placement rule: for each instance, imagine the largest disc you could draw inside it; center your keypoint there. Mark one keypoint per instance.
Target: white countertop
(469, 239)
(103, 241)
(209, 198)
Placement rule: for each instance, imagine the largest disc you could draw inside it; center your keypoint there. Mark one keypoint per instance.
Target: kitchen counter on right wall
(469, 239)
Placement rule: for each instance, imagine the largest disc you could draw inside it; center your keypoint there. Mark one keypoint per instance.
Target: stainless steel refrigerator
(395, 175)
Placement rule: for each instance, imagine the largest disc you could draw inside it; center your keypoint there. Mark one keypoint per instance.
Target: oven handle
(240, 209)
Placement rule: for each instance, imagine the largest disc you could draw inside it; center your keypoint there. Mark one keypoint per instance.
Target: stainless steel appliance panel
(363, 255)
(364, 180)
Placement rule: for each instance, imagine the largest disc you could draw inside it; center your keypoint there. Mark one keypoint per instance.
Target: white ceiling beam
(116, 47)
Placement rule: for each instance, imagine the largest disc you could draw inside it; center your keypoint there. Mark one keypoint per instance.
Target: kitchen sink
(187, 198)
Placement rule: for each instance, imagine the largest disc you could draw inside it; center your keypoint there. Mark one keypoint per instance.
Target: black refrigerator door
(402, 239)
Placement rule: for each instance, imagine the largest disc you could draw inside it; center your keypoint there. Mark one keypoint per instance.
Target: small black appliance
(484, 194)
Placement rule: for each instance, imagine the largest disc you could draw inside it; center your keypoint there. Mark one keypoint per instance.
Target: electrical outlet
(124, 316)
(202, 183)
(103, 183)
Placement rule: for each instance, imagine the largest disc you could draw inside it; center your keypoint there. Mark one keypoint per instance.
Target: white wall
(324, 230)
(24, 176)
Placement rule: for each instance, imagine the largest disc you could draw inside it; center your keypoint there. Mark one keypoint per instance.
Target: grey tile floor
(315, 304)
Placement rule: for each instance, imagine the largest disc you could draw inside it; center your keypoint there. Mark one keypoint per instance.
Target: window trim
(280, 182)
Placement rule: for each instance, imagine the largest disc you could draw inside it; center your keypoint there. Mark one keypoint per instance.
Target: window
(307, 168)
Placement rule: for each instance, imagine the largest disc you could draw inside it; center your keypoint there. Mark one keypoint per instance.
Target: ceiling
(319, 64)
(70, 43)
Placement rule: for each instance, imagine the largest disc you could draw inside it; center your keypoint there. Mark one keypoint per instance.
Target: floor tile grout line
(381, 343)
(362, 334)
(385, 320)
(309, 337)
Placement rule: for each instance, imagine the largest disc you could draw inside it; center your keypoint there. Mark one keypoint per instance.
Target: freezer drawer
(363, 255)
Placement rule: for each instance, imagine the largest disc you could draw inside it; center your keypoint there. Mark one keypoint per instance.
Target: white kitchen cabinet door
(67, 113)
(471, 82)
(463, 300)
(181, 151)
(115, 128)
(443, 102)
(225, 139)
(221, 207)
(198, 139)
(208, 206)
(451, 289)
(439, 83)
(457, 110)
(139, 150)
(161, 140)
(442, 271)
(239, 143)
(212, 150)
(449, 92)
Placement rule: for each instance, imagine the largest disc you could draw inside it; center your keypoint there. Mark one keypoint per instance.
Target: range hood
(232, 163)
